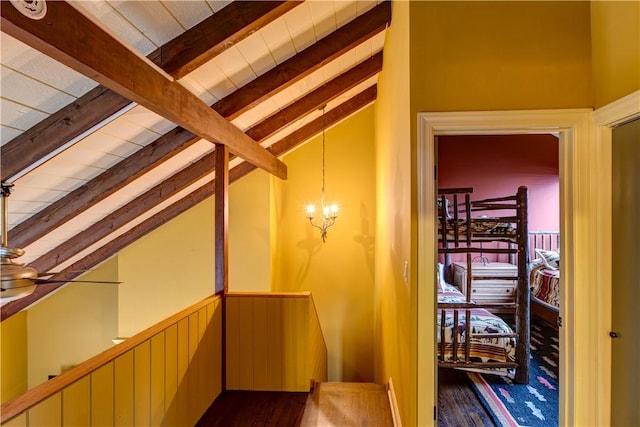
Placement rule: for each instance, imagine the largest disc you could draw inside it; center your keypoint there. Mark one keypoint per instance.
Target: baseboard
(393, 403)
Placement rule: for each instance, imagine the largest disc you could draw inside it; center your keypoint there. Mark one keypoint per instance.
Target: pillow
(442, 284)
(551, 259)
(446, 208)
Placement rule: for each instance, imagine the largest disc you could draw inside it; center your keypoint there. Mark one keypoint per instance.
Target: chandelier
(328, 214)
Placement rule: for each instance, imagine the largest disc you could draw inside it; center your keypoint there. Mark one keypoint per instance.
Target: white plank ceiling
(33, 86)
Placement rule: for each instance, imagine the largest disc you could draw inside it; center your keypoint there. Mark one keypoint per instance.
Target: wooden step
(351, 387)
(347, 404)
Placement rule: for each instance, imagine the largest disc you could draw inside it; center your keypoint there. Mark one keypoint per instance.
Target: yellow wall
(468, 56)
(339, 273)
(615, 37)
(249, 233)
(13, 356)
(395, 339)
(73, 324)
(167, 270)
(493, 55)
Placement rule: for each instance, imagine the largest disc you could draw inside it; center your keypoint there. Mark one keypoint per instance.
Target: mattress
(498, 349)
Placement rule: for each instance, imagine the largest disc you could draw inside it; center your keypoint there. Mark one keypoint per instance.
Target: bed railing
(547, 240)
(462, 231)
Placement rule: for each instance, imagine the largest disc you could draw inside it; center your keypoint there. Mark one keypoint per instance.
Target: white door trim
(604, 120)
(584, 223)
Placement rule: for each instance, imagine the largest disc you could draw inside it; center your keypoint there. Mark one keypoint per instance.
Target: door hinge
(559, 322)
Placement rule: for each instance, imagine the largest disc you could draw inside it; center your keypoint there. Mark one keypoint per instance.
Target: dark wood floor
(330, 405)
(458, 405)
(255, 408)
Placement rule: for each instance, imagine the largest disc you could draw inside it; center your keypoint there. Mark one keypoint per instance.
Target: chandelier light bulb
(310, 210)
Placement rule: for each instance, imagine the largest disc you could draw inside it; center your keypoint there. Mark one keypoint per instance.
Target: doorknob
(613, 334)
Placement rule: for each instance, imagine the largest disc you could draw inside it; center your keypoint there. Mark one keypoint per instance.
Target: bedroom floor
(458, 405)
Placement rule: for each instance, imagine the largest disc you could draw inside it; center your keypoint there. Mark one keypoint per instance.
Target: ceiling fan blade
(53, 273)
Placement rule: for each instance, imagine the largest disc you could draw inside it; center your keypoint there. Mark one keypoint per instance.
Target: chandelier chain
(323, 154)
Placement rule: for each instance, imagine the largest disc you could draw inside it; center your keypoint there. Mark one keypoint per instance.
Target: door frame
(604, 120)
(584, 224)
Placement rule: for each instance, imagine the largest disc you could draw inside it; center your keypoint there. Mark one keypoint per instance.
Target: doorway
(578, 396)
(495, 166)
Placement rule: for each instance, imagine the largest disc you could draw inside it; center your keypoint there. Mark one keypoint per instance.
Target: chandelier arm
(328, 215)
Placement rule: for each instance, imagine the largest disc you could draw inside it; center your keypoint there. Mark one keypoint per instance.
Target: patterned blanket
(545, 285)
(499, 349)
(481, 229)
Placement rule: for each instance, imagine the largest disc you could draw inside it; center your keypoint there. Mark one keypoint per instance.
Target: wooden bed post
(522, 295)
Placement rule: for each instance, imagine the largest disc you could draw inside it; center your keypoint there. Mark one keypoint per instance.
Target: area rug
(534, 404)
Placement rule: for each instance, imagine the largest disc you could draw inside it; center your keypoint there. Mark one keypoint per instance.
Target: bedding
(482, 229)
(550, 259)
(500, 349)
(545, 284)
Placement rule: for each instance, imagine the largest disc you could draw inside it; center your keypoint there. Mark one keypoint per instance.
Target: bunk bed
(544, 276)
(471, 229)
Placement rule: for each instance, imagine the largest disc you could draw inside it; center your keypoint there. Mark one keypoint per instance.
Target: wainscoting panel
(274, 342)
(167, 375)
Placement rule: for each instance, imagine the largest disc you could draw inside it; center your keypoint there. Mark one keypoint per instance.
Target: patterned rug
(534, 404)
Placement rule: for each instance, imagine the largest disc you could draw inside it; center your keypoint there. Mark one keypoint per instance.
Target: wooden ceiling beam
(317, 98)
(51, 260)
(100, 103)
(330, 118)
(168, 145)
(70, 38)
(52, 133)
(101, 187)
(214, 35)
(304, 63)
(127, 213)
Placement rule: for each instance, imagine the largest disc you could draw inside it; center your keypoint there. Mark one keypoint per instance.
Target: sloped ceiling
(96, 167)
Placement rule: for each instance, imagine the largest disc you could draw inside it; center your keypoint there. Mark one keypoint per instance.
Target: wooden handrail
(45, 390)
(303, 294)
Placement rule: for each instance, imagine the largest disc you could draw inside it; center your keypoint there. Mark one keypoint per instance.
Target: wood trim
(304, 294)
(214, 35)
(100, 187)
(129, 74)
(41, 392)
(304, 63)
(618, 112)
(393, 403)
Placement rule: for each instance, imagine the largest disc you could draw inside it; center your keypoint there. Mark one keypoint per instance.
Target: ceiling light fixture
(329, 213)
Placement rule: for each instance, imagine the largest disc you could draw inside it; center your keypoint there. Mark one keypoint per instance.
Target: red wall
(496, 165)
